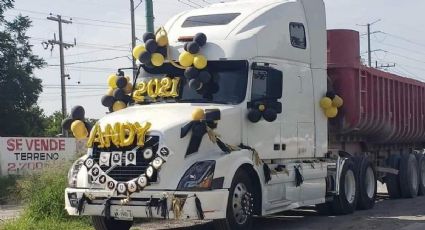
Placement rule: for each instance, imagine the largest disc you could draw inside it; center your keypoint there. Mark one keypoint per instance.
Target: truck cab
(254, 142)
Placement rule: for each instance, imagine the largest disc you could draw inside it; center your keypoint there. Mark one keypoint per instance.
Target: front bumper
(144, 204)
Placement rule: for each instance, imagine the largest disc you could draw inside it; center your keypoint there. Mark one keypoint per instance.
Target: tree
(19, 88)
(53, 124)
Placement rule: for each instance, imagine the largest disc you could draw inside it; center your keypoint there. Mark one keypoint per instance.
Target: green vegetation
(6, 189)
(43, 194)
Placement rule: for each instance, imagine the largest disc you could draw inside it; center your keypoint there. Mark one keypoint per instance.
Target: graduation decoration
(262, 110)
(120, 88)
(154, 52)
(165, 87)
(330, 104)
(76, 123)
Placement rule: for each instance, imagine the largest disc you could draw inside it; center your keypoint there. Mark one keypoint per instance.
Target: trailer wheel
(409, 176)
(101, 223)
(421, 163)
(346, 201)
(366, 176)
(392, 180)
(240, 204)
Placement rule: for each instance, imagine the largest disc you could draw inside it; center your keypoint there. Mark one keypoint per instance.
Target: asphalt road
(401, 214)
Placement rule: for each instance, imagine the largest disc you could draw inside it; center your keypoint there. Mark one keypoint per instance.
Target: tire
(392, 180)
(409, 176)
(101, 223)
(240, 197)
(346, 201)
(366, 176)
(421, 163)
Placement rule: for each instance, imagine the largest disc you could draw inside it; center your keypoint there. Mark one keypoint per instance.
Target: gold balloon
(128, 88)
(110, 92)
(331, 112)
(326, 103)
(337, 101)
(118, 105)
(157, 59)
(112, 81)
(162, 39)
(79, 129)
(262, 108)
(198, 114)
(186, 59)
(200, 61)
(138, 50)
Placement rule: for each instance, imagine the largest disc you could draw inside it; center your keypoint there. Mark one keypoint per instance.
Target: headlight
(73, 173)
(198, 177)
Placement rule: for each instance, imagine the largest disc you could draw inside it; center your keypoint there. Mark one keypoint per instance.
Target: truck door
(264, 112)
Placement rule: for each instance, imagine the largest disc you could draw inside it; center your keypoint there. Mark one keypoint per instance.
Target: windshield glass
(167, 84)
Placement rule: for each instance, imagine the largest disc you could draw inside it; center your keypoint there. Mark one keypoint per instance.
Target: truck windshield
(227, 85)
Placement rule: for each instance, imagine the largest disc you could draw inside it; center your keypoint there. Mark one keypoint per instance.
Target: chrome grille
(125, 173)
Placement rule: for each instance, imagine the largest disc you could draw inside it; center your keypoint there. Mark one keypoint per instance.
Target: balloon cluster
(195, 63)
(330, 104)
(76, 123)
(117, 96)
(268, 113)
(154, 51)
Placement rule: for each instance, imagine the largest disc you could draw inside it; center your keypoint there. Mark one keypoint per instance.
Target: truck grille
(125, 173)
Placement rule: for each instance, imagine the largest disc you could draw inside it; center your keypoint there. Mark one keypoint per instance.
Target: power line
(73, 17)
(404, 39)
(92, 61)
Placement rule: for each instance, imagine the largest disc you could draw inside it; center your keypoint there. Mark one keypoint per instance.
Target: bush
(43, 194)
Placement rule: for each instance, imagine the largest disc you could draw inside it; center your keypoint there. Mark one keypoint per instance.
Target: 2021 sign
(154, 88)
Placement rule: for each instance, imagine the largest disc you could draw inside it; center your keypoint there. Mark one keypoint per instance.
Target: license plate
(122, 214)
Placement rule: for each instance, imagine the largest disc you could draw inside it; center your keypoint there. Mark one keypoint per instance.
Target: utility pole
(133, 36)
(369, 46)
(62, 45)
(149, 16)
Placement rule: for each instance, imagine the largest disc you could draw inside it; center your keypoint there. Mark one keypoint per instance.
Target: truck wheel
(367, 184)
(409, 176)
(346, 201)
(421, 163)
(392, 180)
(101, 223)
(240, 204)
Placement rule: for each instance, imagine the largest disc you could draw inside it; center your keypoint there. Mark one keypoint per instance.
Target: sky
(101, 29)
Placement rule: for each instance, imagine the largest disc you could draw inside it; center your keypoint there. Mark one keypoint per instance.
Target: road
(401, 214)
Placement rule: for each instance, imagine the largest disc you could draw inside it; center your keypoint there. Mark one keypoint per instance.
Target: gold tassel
(177, 206)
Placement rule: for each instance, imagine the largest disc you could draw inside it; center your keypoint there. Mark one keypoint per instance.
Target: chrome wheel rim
(422, 172)
(241, 204)
(350, 186)
(414, 175)
(370, 183)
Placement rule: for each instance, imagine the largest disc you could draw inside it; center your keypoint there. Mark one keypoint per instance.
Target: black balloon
(330, 94)
(77, 112)
(254, 115)
(107, 101)
(88, 126)
(204, 76)
(147, 36)
(193, 47)
(201, 39)
(122, 82)
(66, 124)
(195, 84)
(119, 94)
(151, 45)
(162, 50)
(145, 57)
(185, 46)
(270, 115)
(191, 72)
(111, 109)
(126, 99)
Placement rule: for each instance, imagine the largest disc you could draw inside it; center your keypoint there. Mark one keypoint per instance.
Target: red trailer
(383, 113)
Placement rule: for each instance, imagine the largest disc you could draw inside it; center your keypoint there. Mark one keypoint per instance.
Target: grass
(8, 184)
(43, 196)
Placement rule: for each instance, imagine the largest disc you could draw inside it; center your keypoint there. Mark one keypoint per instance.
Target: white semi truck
(270, 133)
